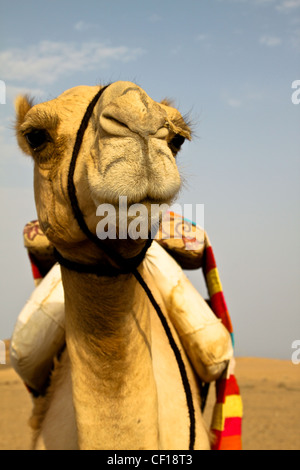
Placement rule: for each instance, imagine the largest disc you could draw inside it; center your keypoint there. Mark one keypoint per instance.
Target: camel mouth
(148, 200)
(139, 184)
(144, 197)
(134, 220)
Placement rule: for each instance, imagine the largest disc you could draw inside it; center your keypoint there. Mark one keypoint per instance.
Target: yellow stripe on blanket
(213, 282)
(232, 408)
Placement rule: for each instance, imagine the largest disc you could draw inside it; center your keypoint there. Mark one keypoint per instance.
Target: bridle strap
(71, 185)
(104, 270)
(125, 266)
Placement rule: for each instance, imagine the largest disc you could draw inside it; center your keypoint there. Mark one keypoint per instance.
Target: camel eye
(37, 138)
(176, 143)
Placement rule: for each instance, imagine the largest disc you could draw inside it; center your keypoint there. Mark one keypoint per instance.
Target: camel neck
(109, 342)
(96, 306)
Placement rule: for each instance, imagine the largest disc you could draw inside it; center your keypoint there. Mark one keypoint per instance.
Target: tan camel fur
(117, 385)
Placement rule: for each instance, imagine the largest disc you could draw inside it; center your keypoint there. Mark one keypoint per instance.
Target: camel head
(128, 149)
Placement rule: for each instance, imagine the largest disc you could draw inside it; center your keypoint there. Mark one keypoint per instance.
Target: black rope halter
(125, 266)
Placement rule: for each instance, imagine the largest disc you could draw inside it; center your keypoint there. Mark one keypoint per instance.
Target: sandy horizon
(270, 390)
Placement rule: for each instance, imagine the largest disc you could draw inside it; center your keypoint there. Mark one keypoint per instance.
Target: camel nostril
(115, 121)
(112, 125)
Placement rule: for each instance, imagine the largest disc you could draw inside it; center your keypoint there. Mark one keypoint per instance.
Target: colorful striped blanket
(228, 412)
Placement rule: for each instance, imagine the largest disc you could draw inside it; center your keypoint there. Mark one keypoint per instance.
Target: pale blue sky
(230, 64)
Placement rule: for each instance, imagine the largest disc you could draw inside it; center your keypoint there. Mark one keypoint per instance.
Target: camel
(124, 380)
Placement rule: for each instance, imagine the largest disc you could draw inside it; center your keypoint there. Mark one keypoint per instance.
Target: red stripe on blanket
(226, 387)
(35, 270)
(209, 260)
(219, 307)
(233, 427)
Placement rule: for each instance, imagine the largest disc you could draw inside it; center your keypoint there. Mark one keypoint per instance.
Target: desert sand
(270, 391)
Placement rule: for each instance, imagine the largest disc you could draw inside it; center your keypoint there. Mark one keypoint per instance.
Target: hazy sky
(231, 65)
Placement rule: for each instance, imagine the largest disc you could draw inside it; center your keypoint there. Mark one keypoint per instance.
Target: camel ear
(167, 102)
(22, 105)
